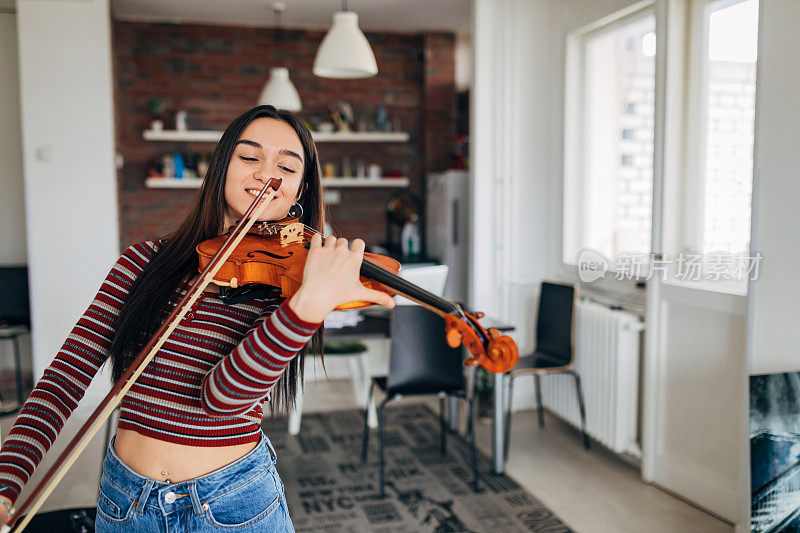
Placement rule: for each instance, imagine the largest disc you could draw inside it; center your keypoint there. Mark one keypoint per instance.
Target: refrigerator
(447, 227)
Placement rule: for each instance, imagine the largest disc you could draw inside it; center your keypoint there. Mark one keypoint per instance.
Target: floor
(593, 492)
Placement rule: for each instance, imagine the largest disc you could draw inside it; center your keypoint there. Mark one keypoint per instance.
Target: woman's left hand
(331, 278)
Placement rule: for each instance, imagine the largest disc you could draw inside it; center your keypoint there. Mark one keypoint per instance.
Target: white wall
(511, 138)
(775, 305)
(68, 151)
(12, 213)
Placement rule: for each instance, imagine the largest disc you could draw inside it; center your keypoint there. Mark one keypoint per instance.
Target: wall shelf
(214, 136)
(194, 183)
(361, 136)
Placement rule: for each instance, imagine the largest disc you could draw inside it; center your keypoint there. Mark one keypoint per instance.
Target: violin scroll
(498, 355)
(502, 353)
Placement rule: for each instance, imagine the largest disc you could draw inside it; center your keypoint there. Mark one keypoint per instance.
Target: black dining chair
(554, 351)
(421, 363)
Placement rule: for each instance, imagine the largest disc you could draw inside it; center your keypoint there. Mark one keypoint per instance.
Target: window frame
(683, 227)
(694, 149)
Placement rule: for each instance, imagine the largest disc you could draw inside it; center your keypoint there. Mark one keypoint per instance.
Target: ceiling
(404, 16)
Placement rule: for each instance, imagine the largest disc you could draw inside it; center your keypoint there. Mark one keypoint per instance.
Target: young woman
(189, 454)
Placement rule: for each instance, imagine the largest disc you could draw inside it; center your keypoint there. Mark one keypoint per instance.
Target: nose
(264, 179)
(275, 183)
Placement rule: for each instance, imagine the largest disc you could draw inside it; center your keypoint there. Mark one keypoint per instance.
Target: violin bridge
(292, 234)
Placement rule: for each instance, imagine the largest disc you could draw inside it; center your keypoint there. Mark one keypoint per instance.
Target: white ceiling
(402, 16)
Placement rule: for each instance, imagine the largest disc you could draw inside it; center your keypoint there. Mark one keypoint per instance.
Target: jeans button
(170, 497)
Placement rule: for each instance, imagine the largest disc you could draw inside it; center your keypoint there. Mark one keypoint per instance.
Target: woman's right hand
(331, 278)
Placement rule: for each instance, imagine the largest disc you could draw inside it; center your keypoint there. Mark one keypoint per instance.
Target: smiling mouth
(254, 193)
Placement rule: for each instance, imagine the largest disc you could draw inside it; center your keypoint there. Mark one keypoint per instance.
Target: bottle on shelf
(381, 117)
(168, 166)
(179, 165)
(347, 172)
(180, 120)
(411, 245)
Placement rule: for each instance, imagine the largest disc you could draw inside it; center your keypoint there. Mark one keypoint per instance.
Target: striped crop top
(205, 386)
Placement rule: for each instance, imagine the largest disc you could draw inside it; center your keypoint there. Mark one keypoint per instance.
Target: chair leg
(452, 413)
(442, 424)
(296, 414)
(365, 439)
(357, 377)
(382, 434)
(372, 411)
(366, 379)
(510, 394)
(473, 447)
(579, 389)
(538, 380)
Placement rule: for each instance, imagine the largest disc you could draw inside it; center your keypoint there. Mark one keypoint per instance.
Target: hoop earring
(296, 211)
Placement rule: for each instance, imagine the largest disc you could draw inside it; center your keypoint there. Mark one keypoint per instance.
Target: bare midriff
(158, 459)
(166, 461)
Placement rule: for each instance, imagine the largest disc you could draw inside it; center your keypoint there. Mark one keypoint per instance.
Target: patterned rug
(330, 489)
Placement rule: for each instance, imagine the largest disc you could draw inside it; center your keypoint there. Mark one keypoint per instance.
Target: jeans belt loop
(143, 497)
(196, 505)
(271, 450)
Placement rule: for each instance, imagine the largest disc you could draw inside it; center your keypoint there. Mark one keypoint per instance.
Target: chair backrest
(420, 361)
(554, 322)
(14, 304)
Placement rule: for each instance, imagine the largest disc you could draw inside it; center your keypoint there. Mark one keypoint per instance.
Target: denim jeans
(244, 496)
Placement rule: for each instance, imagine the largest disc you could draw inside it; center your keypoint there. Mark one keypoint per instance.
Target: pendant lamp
(279, 90)
(345, 52)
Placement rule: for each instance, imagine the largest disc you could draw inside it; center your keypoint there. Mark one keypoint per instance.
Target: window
(709, 187)
(609, 138)
(721, 156)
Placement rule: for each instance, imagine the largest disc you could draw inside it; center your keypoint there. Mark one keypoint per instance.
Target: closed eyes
(254, 160)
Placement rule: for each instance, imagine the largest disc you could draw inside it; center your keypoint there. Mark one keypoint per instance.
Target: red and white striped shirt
(205, 386)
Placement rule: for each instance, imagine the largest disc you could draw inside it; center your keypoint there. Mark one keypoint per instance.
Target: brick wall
(217, 72)
(439, 109)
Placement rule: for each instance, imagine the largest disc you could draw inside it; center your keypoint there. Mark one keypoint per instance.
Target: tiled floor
(593, 492)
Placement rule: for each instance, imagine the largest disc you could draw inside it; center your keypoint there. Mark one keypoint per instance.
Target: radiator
(607, 360)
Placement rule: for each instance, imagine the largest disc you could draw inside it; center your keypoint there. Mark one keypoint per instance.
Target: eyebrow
(283, 151)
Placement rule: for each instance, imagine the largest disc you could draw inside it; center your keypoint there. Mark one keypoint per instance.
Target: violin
(274, 254)
(271, 254)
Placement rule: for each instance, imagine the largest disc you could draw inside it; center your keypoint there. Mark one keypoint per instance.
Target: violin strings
(410, 288)
(413, 290)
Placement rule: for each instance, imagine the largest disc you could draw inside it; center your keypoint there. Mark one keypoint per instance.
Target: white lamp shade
(345, 51)
(279, 91)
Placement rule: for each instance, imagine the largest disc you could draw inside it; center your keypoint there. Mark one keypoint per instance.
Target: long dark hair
(176, 259)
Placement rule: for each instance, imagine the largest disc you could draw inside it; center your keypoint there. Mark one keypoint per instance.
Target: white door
(695, 386)
(695, 394)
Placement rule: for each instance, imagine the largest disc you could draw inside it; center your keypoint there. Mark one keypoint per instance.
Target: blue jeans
(244, 496)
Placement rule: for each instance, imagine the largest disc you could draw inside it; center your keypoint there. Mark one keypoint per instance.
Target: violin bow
(100, 415)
